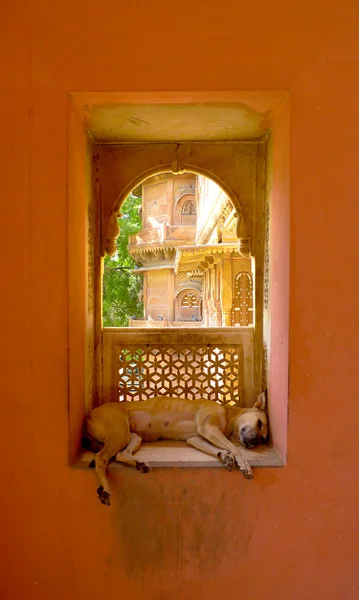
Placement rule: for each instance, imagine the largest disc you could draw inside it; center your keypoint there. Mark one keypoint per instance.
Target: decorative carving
(266, 272)
(225, 210)
(91, 258)
(242, 309)
(213, 372)
(190, 299)
(90, 377)
(112, 233)
(265, 367)
(244, 245)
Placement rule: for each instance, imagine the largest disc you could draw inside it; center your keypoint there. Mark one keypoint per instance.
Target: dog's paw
(103, 496)
(227, 460)
(244, 467)
(247, 473)
(142, 466)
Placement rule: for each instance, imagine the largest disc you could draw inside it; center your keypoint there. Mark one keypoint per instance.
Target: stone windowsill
(179, 454)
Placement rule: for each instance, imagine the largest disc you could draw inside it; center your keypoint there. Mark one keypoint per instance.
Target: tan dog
(118, 428)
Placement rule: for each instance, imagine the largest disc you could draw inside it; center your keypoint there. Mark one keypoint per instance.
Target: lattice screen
(213, 372)
(189, 300)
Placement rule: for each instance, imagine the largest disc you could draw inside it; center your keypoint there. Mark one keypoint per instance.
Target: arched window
(189, 208)
(189, 213)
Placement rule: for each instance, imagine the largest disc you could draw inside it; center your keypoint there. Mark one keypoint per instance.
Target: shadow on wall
(156, 535)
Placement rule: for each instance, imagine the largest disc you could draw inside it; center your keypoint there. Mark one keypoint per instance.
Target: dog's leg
(216, 437)
(224, 456)
(110, 449)
(126, 456)
(101, 461)
(109, 426)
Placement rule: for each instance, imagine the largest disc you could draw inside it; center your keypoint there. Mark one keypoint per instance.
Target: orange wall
(279, 278)
(291, 533)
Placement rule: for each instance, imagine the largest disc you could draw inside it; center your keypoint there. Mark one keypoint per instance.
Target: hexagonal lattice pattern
(212, 372)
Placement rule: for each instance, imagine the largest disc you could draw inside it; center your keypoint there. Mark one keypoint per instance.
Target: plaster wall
(291, 532)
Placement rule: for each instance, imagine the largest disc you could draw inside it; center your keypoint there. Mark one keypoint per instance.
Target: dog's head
(251, 427)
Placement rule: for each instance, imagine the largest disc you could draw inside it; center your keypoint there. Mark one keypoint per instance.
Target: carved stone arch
(124, 167)
(112, 230)
(188, 285)
(161, 169)
(178, 208)
(186, 198)
(186, 190)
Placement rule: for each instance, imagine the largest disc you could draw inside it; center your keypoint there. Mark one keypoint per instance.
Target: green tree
(121, 288)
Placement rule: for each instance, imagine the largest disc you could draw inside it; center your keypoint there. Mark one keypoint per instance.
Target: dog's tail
(90, 443)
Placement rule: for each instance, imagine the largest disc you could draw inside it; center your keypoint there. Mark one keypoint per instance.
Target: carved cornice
(141, 249)
(194, 273)
(206, 254)
(218, 217)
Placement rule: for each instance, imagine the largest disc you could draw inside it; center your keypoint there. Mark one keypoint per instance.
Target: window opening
(189, 300)
(223, 281)
(177, 258)
(189, 213)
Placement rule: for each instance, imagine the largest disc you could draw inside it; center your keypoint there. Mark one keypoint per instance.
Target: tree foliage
(121, 288)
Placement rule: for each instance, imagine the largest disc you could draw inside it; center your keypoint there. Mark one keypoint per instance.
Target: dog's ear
(261, 402)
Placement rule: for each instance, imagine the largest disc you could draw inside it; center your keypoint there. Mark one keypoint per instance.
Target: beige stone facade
(195, 272)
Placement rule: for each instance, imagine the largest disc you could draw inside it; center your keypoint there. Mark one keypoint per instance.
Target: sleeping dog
(116, 429)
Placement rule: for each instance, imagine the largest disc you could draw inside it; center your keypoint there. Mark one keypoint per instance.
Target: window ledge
(179, 454)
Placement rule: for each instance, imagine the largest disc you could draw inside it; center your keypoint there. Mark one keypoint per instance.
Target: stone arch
(178, 209)
(188, 285)
(111, 227)
(161, 169)
(188, 211)
(185, 191)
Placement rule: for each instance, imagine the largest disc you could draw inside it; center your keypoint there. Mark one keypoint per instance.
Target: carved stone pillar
(170, 198)
(171, 299)
(205, 299)
(205, 314)
(226, 318)
(210, 316)
(218, 316)
(226, 292)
